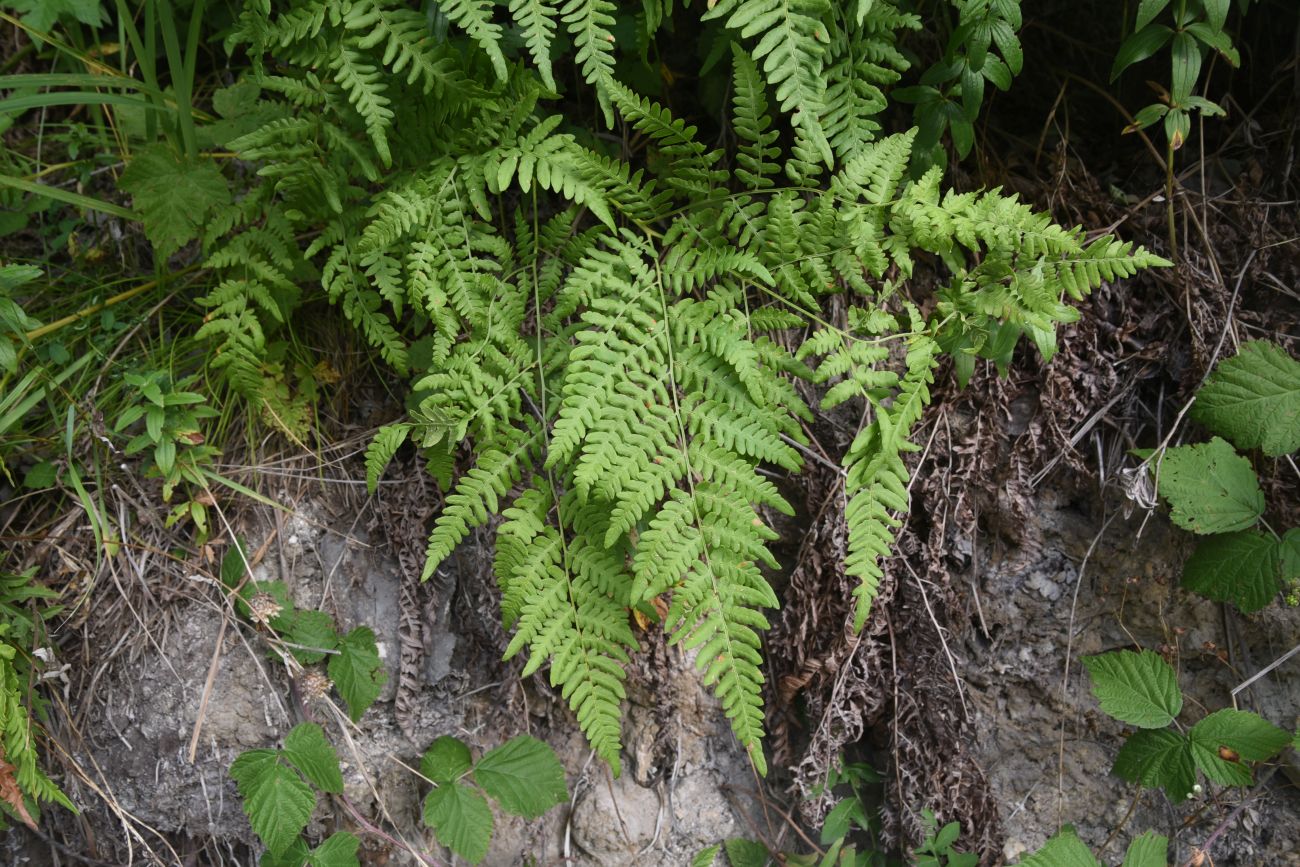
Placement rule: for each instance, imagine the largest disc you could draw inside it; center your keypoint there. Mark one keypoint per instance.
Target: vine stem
(1201, 853)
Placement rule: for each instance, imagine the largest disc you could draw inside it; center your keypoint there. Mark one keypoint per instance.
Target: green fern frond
(475, 18)
(589, 23)
(755, 156)
(366, 91)
(702, 545)
(536, 19)
(501, 463)
(792, 37)
(573, 614)
(877, 478)
(690, 164)
(388, 439)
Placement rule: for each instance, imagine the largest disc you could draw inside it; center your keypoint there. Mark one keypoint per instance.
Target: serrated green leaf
(234, 563)
(461, 818)
(1063, 850)
(1289, 556)
(313, 633)
(295, 856)
(1221, 734)
(446, 760)
(338, 850)
(745, 853)
(1241, 568)
(1210, 488)
(1140, 689)
(276, 800)
(1253, 399)
(309, 751)
(173, 194)
(357, 671)
(706, 857)
(1158, 759)
(1149, 850)
(524, 776)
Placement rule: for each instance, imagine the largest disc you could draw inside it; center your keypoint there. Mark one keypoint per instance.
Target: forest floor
(1023, 552)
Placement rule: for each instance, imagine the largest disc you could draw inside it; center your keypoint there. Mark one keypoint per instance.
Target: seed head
(313, 684)
(263, 608)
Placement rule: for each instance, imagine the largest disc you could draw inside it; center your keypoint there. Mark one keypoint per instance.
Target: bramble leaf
(310, 753)
(1226, 739)
(1140, 689)
(338, 850)
(313, 633)
(461, 818)
(446, 760)
(745, 853)
(357, 671)
(1241, 568)
(1063, 850)
(1158, 759)
(1210, 488)
(524, 775)
(706, 857)
(277, 801)
(1289, 556)
(1148, 850)
(1253, 399)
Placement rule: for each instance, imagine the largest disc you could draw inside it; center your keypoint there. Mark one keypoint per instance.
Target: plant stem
(1169, 201)
(93, 309)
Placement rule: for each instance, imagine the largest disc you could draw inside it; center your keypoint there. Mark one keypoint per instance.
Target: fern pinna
(607, 345)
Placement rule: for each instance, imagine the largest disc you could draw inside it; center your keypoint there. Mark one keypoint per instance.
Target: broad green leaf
(1217, 40)
(295, 856)
(312, 754)
(1186, 66)
(1241, 568)
(1216, 12)
(446, 760)
(277, 801)
(1139, 47)
(173, 195)
(234, 564)
(1178, 126)
(1210, 488)
(745, 853)
(1149, 850)
(1140, 689)
(357, 671)
(461, 818)
(1147, 12)
(313, 634)
(706, 857)
(1253, 399)
(1224, 740)
(524, 775)
(1158, 759)
(1289, 556)
(338, 850)
(1063, 850)
(840, 819)
(40, 476)
(1147, 116)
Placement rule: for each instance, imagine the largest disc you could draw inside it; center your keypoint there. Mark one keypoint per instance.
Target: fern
(596, 335)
